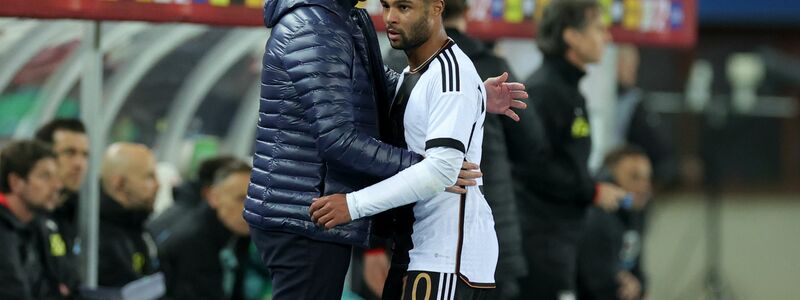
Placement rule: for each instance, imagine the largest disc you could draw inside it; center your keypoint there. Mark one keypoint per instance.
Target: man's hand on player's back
(469, 172)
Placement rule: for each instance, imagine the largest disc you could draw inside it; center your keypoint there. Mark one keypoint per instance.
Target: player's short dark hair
(19, 157)
(615, 156)
(232, 167)
(208, 168)
(454, 9)
(558, 16)
(46, 132)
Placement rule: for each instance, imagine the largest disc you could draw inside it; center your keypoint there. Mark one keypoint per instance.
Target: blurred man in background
(198, 257)
(550, 150)
(635, 124)
(187, 197)
(29, 186)
(126, 250)
(70, 143)
(609, 265)
(194, 191)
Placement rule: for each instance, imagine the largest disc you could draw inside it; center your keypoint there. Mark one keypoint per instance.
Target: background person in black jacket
(637, 125)
(496, 168)
(609, 264)
(187, 196)
(29, 186)
(192, 256)
(126, 250)
(71, 145)
(551, 147)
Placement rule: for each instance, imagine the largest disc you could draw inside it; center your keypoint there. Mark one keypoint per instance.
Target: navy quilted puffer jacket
(317, 128)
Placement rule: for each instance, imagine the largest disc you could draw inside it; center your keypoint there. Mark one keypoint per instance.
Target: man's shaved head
(128, 174)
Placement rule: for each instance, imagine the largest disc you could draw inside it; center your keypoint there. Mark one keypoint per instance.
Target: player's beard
(419, 34)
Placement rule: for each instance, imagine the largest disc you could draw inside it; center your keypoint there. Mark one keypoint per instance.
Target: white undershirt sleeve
(424, 180)
(451, 120)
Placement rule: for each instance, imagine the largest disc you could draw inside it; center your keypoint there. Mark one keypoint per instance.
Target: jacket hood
(274, 10)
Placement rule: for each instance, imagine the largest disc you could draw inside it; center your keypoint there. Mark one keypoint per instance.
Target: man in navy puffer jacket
(321, 108)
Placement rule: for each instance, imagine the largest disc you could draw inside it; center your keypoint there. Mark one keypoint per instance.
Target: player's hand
(469, 172)
(329, 211)
(502, 96)
(629, 286)
(609, 196)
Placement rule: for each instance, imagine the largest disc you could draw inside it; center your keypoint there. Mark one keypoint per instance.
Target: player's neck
(424, 52)
(19, 209)
(574, 59)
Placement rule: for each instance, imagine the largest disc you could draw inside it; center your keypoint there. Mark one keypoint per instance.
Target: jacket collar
(6, 216)
(569, 72)
(218, 234)
(274, 10)
(112, 212)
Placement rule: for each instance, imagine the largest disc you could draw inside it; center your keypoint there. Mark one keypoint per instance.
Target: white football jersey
(446, 107)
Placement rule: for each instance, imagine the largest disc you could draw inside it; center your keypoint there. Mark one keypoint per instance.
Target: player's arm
(324, 85)
(451, 119)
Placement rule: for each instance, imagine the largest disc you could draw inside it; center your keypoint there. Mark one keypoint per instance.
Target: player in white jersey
(438, 111)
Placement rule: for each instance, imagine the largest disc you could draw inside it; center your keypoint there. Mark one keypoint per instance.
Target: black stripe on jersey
(444, 77)
(449, 71)
(480, 98)
(472, 133)
(458, 71)
(446, 142)
(461, 207)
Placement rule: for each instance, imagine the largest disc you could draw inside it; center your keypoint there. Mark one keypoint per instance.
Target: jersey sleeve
(453, 113)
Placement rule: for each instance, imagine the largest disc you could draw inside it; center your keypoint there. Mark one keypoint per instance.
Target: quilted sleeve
(319, 61)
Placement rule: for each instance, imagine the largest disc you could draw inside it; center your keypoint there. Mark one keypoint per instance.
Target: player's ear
(438, 7)
(570, 36)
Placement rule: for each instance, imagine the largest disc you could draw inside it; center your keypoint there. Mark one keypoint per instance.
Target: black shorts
(420, 285)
